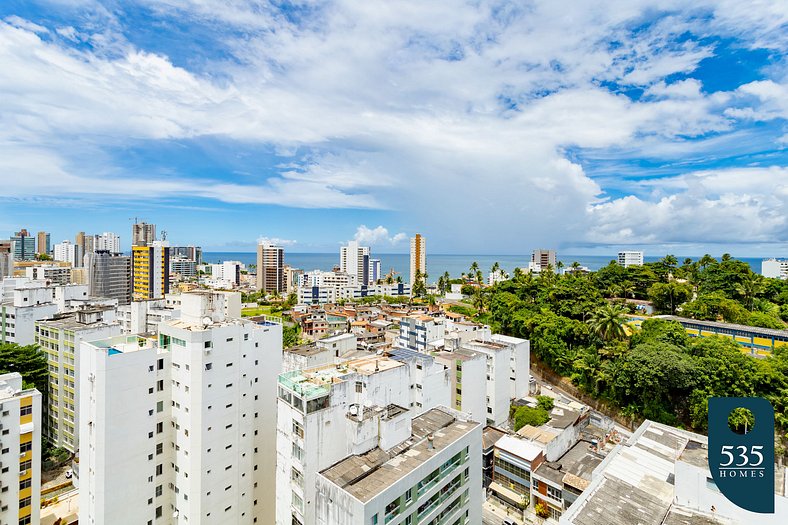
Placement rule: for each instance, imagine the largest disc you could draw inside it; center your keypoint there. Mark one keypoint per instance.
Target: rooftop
(519, 447)
(490, 436)
(367, 475)
(318, 380)
(573, 468)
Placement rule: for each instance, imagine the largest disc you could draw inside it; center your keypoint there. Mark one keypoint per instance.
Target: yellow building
(20, 477)
(150, 271)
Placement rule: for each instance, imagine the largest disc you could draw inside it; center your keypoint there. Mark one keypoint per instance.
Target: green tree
(667, 297)
(29, 362)
(529, 416)
(545, 403)
(750, 286)
(607, 322)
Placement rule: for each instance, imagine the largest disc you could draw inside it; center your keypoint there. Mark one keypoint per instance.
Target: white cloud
(456, 115)
(377, 236)
(277, 241)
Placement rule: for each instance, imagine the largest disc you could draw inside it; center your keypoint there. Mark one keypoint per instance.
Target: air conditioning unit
(23, 473)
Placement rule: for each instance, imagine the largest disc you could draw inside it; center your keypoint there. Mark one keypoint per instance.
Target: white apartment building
(326, 351)
(20, 452)
(144, 316)
(183, 267)
(331, 294)
(417, 331)
(60, 338)
(229, 271)
(374, 271)
(23, 304)
(323, 279)
(177, 427)
(418, 257)
(775, 268)
(431, 382)
(630, 258)
(328, 413)
(498, 276)
(467, 372)
(107, 241)
(354, 260)
(432, 476)
(67, 251)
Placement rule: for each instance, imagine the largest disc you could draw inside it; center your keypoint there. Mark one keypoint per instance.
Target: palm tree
(479, 300)
(560, 266)
(670, 261)
(726, 257)
(474, 268)
(750, 287)
(518, 273)
(627, 289)
(495, 267)
(608, 322)
(575, 268)
(479, 277)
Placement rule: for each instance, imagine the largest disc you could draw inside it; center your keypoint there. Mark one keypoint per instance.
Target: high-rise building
(374, 271)
(23, 246)
(66, 251)
(20, 477)
(775, 268)
(192, 253)
(6, 260)
(544, 258)
(630, 258)
(433, 476)
(80, 248)
(270, 268)
(109, 275)
(150, 271)
(143, 234)
(43, 243)
(227, 271)
(418, 257)
(183, 267)
(178, 427)
(60, 338)
(362, 408)
(106, 241)
(354, 260)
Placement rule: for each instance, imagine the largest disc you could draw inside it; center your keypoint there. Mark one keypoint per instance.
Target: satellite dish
(206, 321)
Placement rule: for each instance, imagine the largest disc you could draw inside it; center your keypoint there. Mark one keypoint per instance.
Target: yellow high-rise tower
(151, 271)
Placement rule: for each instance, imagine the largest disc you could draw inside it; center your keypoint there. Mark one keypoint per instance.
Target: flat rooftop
(490, 436)
(318, 380)
(124, 344)
(366, 475)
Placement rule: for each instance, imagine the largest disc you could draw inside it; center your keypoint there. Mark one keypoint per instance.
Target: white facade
(329, 413)
(630, 258)
(67, 251)
(498, 276)
(144, 316)
(417, 331)
(435, 477)
(20, 452)
(183, 419)
(60, 339)
(107, 241)
(354, 260)
(374, 271)
(332, 294)
(229, 271)
(775, 268)
(53, 274)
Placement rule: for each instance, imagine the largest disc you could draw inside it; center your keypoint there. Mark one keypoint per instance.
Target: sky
(490, 127)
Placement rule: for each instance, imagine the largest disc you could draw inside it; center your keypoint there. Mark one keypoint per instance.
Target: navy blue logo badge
(741, 451)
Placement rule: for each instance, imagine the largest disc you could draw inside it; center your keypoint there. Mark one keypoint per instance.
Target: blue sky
(488, 126)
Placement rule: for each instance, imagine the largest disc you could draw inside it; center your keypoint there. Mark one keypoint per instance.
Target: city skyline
(487, 126)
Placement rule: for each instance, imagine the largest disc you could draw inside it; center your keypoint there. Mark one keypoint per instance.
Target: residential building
(182, 267)
(775, 268)
(544, 257)
(50, 273)
(6, 259)
(150, 270)
(192, 253)
(322, 279)
(142, 234)
(66, 251)
(431, 381)
(228, 271)
(432, 476)
(109, 275)
(354, 260)
(145, 315)
(467, 373)
(42, 243)
(374, 271)
(60, 338)
(329, 350)
(20, 452)
(23, 246)
(630, 258)
(417, 331)
(82, 245)
(330, 413)
(490, 436)
(418, 257)
(270, 268)
(292, 279)
(558, 484)
(107, 241)
(498, 276)
(661, 476)
(177, 427)
(514, 461)
(21, 308)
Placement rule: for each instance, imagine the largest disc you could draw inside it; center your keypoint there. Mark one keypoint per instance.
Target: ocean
(437, 264)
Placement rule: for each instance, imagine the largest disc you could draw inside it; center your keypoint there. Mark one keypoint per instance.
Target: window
(207, 344)
(160, 385)
(159, 512)
(160, 364)
(159, 469)
(298, 430)
(408, 496)
(298, 503)
(26, 447)
(554, 492)
(24, 502)
(297, 477)
(374, 520)
(25, 520)
(208, 366)
(26, 411)
(159, 427)
(298, 452)
(359, 387)
(159, 448)
(26, 465)
(159, 406)
(25, 483)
